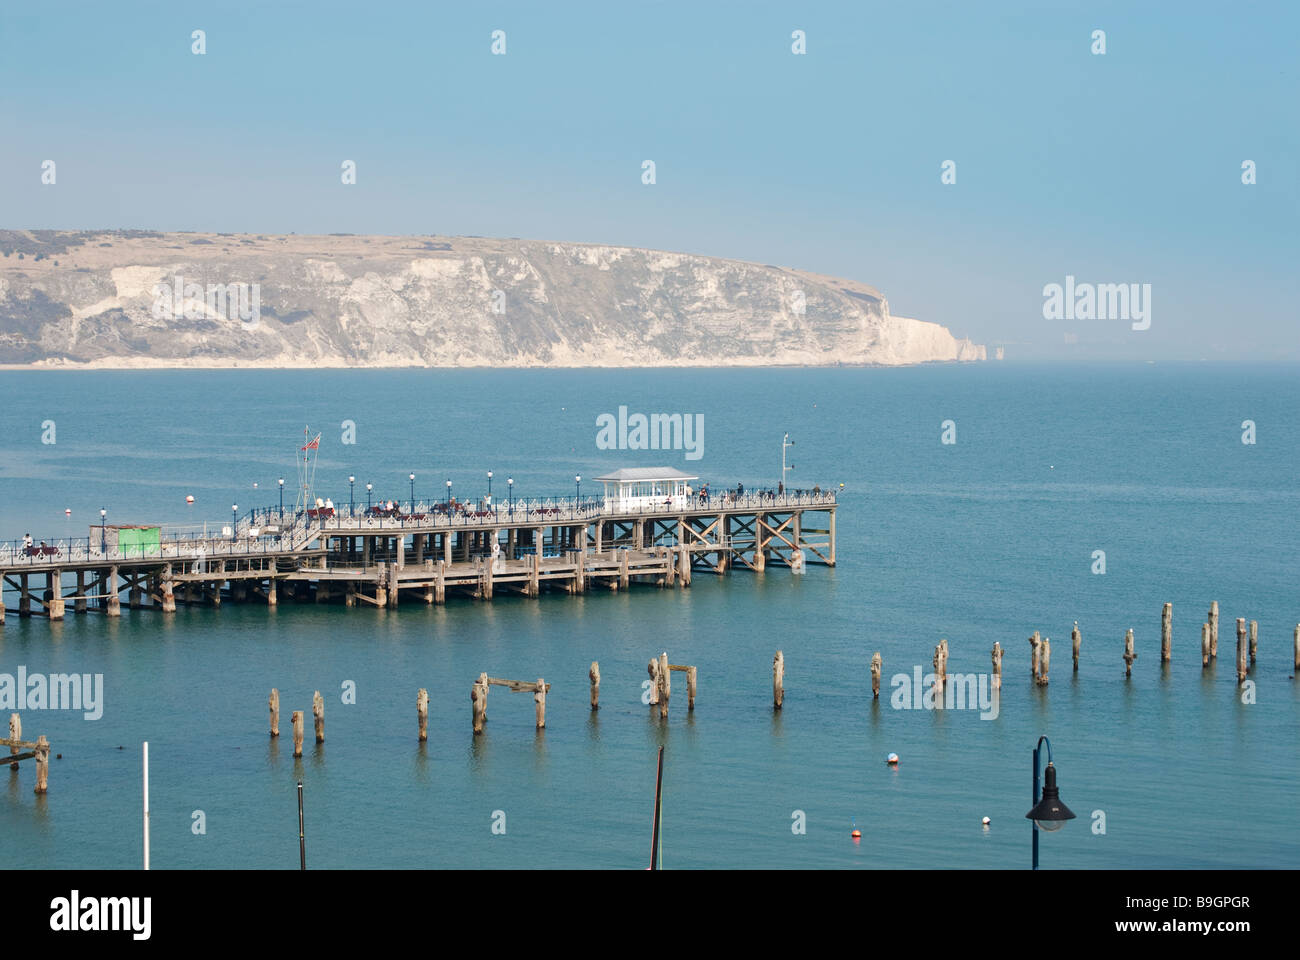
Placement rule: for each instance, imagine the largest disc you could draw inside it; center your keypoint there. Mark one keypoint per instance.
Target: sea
(978, 503)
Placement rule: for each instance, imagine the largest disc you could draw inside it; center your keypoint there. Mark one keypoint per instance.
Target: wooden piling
(539, 698)
(422, 712)
(1241, 650)
(1044, 660)
(778, 680)
(1205, 645)
(113, 607)
(1076, 640)
(1129, 654)
(1254, 640)
(1034, 645)
(15, 733)
(876, 666)
(665, 685)
(42, 753)
(274, 703)
(1297, 648)
(937, 662)
(318, 714)
(296, 719)
(1167, 633)
(652, 668)
(691, 677)
(997, 665)
(478, 700)
(1214, 630)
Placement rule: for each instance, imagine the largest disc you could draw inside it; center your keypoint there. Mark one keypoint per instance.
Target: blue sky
(1117, 168)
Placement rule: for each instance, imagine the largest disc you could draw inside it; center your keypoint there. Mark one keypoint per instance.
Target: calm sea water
(986, 539)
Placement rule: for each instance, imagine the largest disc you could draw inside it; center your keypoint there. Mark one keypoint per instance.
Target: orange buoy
(892, 760)
(189, 499)
(856, 834)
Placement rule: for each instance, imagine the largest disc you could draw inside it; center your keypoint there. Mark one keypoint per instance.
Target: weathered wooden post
(422, 712)
(1297, 648)
(1076, 639)
(1254, 640)
(594, 675)
(997, 665)
(318, 713)
(666, 684)
(42, 752)
(1044, 660)
(1214, 630)
(1167, 633)
(937, 662)
(539, 698)
(1129, 654)
(1241, 650)
(652, 668)
(274, 703)
(478, 701)
(15, 733)
(778, 680)
(690, 689)
(296, 719)
(1034, 645)
(876, 665)
(1205, 645)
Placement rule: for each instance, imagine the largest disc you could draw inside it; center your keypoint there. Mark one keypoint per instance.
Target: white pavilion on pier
(641, 488)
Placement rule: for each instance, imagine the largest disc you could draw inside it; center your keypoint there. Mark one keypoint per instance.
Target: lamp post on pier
(412, 479)
(1048, 812)
(234, 522)
(369, 487)
(577, 488)
(489, 486)
(103, 531)
(352, 482)
(449, 500)
(786, 443)
(510, 496)
(282, 499)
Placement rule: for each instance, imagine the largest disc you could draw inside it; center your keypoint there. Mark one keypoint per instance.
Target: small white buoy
(892, 759)
(985, 821)
(68, 512)
(189, 499)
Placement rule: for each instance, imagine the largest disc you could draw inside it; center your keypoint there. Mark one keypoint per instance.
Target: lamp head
(1050, 813)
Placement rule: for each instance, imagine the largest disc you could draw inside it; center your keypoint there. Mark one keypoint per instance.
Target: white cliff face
(92, 299)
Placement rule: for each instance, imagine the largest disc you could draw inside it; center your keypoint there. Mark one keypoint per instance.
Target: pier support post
(652, 668)
(24, 596)
(54, 584)
(272, 592)
(42, 752)
(1241, 650)
(2, 599)
(393, 572)
(778, 680)
(15, 733)
(623, 577)
(594, 675)
(1214, 630)
(997, 665)
(113, 607)
(1167, 633)
(318, 714)
(1076, 640)
(684, 565)
(876, 665)
(1044, 661)
(422, 713)
(1129, 653)
(691, 677)
(539, 699)
(478, 702)
(1034, 644)
(168, 589)
(665, 685)
(440, 585)
(1254, 640)
(79, 598)
(296, 719)
(274, 704)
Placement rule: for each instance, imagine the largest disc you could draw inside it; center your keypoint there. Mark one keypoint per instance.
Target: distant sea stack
(138, 298)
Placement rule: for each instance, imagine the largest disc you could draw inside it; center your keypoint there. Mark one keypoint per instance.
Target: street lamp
(282, 499)
(369, 487)
(352, 482)
(103, 531)
(577, 488)
(412, 479)
(234, 520)
(489, 486)
(786, 442)
(449, 499)
(510, 495)
(1048, 812)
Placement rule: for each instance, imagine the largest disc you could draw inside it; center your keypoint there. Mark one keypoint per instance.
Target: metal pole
(302, 837)
(1034, 797)
(655, 838)
(146, 804)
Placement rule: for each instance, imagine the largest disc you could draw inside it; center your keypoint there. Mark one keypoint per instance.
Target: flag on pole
(313, 444)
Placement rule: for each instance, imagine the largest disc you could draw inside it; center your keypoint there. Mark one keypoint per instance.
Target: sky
(1122, 167)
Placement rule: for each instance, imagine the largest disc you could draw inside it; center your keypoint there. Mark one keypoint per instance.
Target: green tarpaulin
(138, 541)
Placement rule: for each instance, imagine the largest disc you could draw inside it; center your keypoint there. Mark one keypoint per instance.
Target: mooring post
(1075, 641)
(15, 733)
(478, 703)
(42, 753)
(1167, 633)
(1241, 650)
(1254, 640)
(1129, 654)
(296, 718)
(318, 713)
(937, 662)
(1297, 648)
(997, 665)
(876, 665)
(1214, 630)
(1044, 660)
(1205, 645)
(1034, 643)
(422, 712)
(690, 689)
(539, 698)
(666, 684)
(652, 668)
(274, 703)
(778, 680)
(114, 605)
(594, 675)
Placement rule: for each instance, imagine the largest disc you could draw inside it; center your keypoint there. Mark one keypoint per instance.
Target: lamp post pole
(352, 483)
(786, 443)
(412, 479)
(577, 488)
(234, 522)
(448, 499)
(369, 487)
(510, 496)
(103, 531)
(1048, 812)
(282, 499)
(489, 486)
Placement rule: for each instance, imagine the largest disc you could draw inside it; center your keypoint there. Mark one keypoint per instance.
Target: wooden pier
(428, 553)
